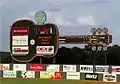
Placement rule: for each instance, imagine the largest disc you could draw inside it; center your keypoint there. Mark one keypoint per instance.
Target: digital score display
(80, 39)
(47, 40)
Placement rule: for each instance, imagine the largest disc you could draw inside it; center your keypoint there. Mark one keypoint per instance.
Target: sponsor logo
(20, 50)
(69, 68)
(109, 77)
(4, 66)
(116, 69)
(10, 74)
(53, 68)
(58, 75)
(19, 40)
(86, 68)
(20, 31)
(73, 75)
(19, 67)
(45, 49)
(28, 74)
(36, 67)
(102, 69)
(90, 76)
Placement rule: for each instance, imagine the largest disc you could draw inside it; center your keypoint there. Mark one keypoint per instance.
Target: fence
(51, 71)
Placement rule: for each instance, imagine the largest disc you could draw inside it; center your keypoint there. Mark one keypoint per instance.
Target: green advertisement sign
(47, 75)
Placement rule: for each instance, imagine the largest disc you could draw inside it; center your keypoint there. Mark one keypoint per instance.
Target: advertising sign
(109, 77)
(45, 50)
(19, 40)
(40, 17)
(36, 67)
(20, 50)
(101, 69)
(69, 68)
(19, 67)
(9, 74)
(28, 74)
(20, 31)
(116, 69)
(4, 66)
(53, 68)
(91, 76)
(73, 75)
(50, 75)
(86, 68)
(47, 75)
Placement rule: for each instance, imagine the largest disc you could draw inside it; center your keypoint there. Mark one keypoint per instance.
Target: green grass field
(43, 81)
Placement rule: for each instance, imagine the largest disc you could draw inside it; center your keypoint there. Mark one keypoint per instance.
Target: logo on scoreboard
(45, 50)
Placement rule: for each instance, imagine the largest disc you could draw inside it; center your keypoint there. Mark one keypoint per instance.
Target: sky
(73, 17)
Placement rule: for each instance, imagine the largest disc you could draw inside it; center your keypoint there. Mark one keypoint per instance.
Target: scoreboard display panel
(47, 40)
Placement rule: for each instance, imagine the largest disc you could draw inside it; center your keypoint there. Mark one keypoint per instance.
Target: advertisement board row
(66, 68)
(59, 75)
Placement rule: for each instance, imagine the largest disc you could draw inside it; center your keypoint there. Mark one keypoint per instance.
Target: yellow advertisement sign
(47, 75)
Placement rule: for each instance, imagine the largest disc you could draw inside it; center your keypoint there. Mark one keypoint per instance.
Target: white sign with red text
(19, 40)
(20, 50)
(45, 50)
(4, 66)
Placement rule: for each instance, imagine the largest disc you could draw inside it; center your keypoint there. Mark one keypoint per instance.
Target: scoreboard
(28, 40)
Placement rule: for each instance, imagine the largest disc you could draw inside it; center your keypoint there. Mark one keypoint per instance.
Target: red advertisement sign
(118, 69)
(36, 67)
(20, 30)
(58, 75)
(115, 69)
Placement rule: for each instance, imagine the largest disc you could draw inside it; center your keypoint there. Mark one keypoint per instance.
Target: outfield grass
(43, 81)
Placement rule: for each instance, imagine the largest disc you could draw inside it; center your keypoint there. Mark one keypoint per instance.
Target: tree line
(76, 55)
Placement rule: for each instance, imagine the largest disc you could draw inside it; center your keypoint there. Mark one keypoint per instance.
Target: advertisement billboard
(101, 69)
(20, 31)
(91, 76)
(55, 68)
(19, 40)
(45, 50)
(73, 75)
(28, 74)
(4, 66)
(36, 67)
(69, 68)
(19, 67)
(50, 75)
(20, 50)
(86, 68)
(9, 74)
(116, 69)
(109, 77)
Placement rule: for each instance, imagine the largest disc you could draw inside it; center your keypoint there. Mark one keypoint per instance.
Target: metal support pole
(54, 60)
(40, 60)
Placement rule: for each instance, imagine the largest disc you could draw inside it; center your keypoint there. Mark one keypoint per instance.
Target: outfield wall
(51, 71)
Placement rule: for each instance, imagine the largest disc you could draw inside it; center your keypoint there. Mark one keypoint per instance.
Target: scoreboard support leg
(54, 60)
(41, 61)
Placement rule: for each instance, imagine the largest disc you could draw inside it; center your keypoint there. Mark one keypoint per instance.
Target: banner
(50, 75)
(4, 66)
(9, 74)
(109, 77)
(36, 67)
(53, 68)
(20, 30)
(28, 74)
(69, 68)
(20, 50)
(45, 50)
(116, 69)
(101, 69)
(47, 75)
(19, 40)
(19, 67)
(73, 75)
(86, 68)
(91, 76)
